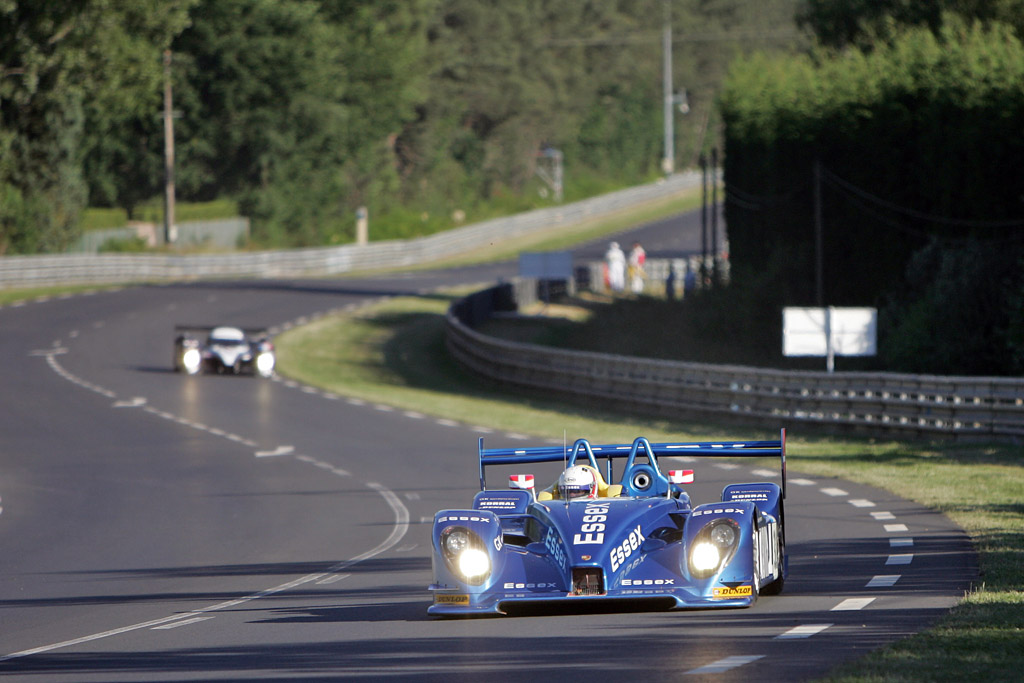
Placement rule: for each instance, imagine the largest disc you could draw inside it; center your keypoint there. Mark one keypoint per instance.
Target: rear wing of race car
(588, 454)
(206, 329)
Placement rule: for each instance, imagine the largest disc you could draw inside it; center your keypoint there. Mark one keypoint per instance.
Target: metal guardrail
(36, 271)
(885, 404)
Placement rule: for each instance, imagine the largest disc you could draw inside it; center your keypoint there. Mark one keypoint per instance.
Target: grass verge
(394, 353)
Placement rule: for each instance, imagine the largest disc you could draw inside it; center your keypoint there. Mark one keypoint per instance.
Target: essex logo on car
(622, 551)
(592, 528)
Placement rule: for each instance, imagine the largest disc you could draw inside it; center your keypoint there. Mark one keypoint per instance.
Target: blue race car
(584, 541)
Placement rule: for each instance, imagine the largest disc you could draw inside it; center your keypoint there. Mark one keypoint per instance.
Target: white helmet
(577, 482)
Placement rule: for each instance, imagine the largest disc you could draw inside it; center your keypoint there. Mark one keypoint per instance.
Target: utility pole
(714, 215)
(668, 163)
(703, 218)
(169, 235)
(819, 249)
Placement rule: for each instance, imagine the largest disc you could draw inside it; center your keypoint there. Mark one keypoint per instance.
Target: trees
(306, 109)
(916, 138)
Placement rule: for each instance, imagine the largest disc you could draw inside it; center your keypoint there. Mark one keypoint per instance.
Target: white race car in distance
(230, 350)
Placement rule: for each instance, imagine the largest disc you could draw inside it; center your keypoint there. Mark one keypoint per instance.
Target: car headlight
(713, 547)
(265, 364)
(705, 557)
(474, 563)
(191, 360)
(465, 555)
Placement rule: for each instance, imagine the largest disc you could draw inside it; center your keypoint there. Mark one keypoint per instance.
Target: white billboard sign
(829, 332)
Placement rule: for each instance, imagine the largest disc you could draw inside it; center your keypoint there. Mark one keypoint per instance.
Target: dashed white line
(852, 604)
(883, 581)
(893, 528)
(801, 482)
(280, 450)
(880, 516)
(834, 492)
(900, 542)
(861, 503)
(763, 473)
(805, 631)
(447, 423)
(723, 665)
(131, 403)
(902, 558)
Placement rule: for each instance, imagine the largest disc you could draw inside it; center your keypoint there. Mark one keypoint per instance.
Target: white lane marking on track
(398, 530)
(893, 528)
(903, 558)
(805, 631)
(183, 622)
(333, 578)
(763, 473)
(447, 423)
(726, 466)
(801, 482)
(131, 403)
(883, 581)
(881, 516)
(280, 450)
(414, 415)
(834, 492)
(861, 503)
(723, 665)
(852, 604)
(900, 542)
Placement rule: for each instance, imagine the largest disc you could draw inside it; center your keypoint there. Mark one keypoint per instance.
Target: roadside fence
(881, 404)
(39, 271)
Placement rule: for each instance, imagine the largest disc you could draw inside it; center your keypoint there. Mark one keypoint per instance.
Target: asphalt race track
(160, 527)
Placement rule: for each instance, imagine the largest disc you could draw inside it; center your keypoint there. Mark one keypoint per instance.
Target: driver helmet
(577, 482)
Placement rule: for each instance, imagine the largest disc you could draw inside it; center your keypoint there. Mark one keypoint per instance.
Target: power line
(850, 188)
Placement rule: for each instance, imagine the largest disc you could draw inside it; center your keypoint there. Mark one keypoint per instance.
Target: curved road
(160, 527)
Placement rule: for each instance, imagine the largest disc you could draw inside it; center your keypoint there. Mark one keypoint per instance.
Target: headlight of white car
(191, 360)
(265, 364)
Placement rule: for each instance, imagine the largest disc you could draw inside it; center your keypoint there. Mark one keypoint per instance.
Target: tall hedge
(918, 139)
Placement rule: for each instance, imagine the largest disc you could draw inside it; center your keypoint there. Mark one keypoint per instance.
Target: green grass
(16, 296)
(394, 353)
(153, 212)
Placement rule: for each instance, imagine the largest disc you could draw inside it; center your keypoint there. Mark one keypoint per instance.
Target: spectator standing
(616, 260)
(637, 259)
